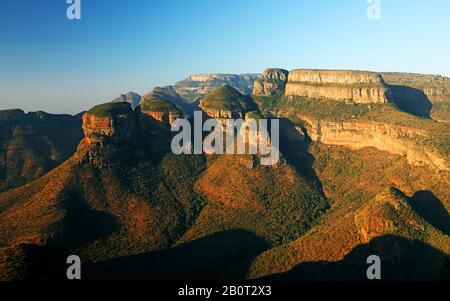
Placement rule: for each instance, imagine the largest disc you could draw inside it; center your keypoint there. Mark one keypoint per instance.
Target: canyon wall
(356, 86)
(385, 137)
(272, 82)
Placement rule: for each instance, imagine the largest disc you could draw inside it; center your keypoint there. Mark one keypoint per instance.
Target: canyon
(358, 175)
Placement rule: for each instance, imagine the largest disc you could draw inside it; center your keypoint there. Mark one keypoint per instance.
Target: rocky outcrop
(420, 94)
(103, 129)
(110, 130)
(132, 98)
(385, 137)
(435, 87)
(226, 103)
(273, 81)
(160, 110)
(386, 214)
(355, 86)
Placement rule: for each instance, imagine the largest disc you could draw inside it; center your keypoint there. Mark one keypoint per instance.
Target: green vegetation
(437, 134)
(110, 109)
(154, 104)
(278, 205)
(227, 98)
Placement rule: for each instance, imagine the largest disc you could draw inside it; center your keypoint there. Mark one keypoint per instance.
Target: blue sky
(50, 63)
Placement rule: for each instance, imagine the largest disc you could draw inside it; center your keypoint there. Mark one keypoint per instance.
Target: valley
(363, 170)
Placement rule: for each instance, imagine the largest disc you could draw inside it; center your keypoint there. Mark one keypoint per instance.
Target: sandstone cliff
(385, 137)
(110, 130)
(435, 87)
(421, 94)
(356, 86)
(273, 81)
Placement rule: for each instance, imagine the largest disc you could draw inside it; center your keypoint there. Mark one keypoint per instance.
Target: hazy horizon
(57, 65)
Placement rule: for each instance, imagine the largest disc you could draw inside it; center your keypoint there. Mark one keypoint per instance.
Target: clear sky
(50, 63)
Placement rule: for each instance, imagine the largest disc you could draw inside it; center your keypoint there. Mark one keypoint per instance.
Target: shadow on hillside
(401, 260)
(411, 100)
(225, 255)
(430, 208)
(82, 224)
(294, 147)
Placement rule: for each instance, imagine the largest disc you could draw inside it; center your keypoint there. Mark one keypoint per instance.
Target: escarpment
(273, 81)
(356, 86)
(111, 131)
(393, 139)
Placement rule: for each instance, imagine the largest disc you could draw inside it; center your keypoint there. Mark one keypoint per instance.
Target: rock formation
(273, 81)
(159, 109)
(356, 86)
(110, 130)
(132, 98)
(426, 95)
(435, 87)
(385, 137)
(226, 102)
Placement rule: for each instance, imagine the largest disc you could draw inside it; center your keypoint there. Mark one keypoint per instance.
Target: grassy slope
(227, 98)
(154, 104)
(104, 213)
(350, 180)
(34, 143)
(276, 204)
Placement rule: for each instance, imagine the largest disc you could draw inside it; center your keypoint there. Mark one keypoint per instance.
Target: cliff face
(108, 136)
(435, 87)
(385, 137)
(421, 94)
(117, 129)
(356, 86)
(272, 82)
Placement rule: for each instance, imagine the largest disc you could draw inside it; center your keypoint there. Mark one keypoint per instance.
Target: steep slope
(383, 126)
(108, 199)
(160, 109)
(227, 102)
(34, 143)
(132, 98)
(273, 81)
(361, 218)
(355, 86)
(169, 94)
(421, 93)
(277, 203)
